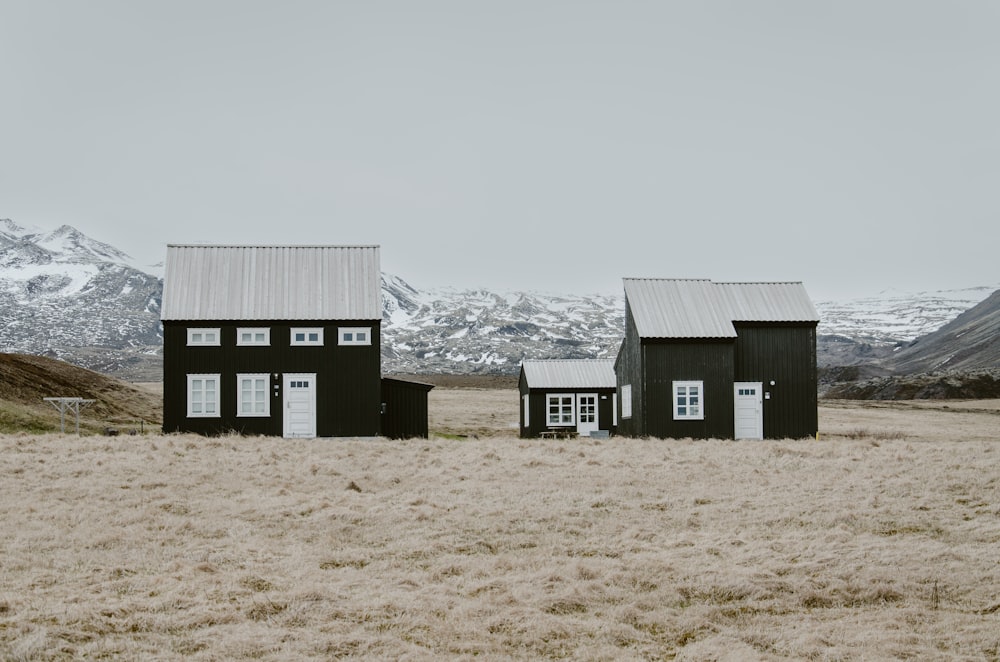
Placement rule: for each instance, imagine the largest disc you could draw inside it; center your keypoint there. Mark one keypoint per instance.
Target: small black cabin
(568, 396)
(404, 408)
(717, 360)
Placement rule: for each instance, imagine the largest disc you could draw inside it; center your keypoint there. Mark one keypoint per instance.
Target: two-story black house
(272, 340)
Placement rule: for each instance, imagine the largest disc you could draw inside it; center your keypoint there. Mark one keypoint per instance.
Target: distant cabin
(277, 341)
(717, 360)
(568, 396)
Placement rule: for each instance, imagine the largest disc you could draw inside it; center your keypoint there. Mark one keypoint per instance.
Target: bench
(558, 434)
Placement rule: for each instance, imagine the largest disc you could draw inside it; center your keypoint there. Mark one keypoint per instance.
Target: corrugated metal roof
(768, 302)
(674, 308)
(570, 373)
(205, 282)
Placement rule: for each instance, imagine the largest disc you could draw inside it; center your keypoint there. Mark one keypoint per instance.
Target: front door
(749, 412)
(586, 414)
(300, 405)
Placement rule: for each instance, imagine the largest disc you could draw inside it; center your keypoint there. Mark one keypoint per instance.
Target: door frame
(759, 395)
(596, 424)
(286, 379)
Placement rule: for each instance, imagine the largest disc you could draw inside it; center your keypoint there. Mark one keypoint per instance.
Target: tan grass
(181, 547)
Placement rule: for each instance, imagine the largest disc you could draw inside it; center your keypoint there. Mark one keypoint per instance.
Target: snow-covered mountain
(64, 294)
(892, 316)
(451, 330)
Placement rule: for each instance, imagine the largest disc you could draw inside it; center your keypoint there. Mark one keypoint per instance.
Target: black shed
(404, 408)
(717, 360)
(568, 396)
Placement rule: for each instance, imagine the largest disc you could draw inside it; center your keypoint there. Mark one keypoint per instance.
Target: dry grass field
(881, 540)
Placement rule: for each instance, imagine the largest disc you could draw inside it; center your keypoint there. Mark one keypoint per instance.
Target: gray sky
(556, 146)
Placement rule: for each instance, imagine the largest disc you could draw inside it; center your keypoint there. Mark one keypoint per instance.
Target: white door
(749, 412)
(586, 414)
(300, 405)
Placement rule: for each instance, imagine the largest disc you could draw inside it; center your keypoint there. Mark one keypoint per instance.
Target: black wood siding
(348, 378)
(629, 371)
(538, 410)
(786, 355)
(710, 362)
(405, 413)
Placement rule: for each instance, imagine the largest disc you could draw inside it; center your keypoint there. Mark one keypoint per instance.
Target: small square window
(307, 336)
(560, 409)
(260, 336)
(203, 337)
(354, 336)
(688, 403)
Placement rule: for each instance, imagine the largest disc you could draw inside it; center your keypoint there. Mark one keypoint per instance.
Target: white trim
(258, 336)
(349, 335)
(260, 400)
(294, 428)
(614, 409)
(582, 426)
(527, 410)
(207, 389)
(627, 401)
(747, 401)
(689, 401)
(566, 405)
(311, 335)
(204, 337)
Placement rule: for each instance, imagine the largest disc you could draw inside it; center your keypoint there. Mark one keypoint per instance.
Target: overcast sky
(556, 146)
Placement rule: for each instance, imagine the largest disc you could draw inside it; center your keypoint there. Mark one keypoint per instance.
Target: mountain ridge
(66, 295)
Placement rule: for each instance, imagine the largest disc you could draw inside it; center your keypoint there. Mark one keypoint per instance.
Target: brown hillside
(25, 380)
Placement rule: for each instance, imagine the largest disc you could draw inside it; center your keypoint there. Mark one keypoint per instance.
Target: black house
(717, 360)
(568, 396)
(272, 340)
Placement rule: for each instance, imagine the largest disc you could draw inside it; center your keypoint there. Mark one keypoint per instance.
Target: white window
(203, 396)
(627, 401)
(560, 409)
(688, 402)
(252, 399)
(307, 336)
(253, 336)
(527, 410)
(355, 335)
(206, 337)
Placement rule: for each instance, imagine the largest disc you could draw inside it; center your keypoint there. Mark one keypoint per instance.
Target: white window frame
(264, 381)
(353, 331)
(683, 389)
(527, 410)
(201, 332)
(204, 402)
(254, 331)
(627, 401)
(566, 404)
(307, 330)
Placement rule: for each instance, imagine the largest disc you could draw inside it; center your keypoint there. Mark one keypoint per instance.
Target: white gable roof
(205, 282)
(570, 373)
(673, 308)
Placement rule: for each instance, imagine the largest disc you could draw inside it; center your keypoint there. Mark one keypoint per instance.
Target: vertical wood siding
(538, 413)
(708, 361)
(348, 378)
(786, 355)
(405, 415)
(629, 371)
